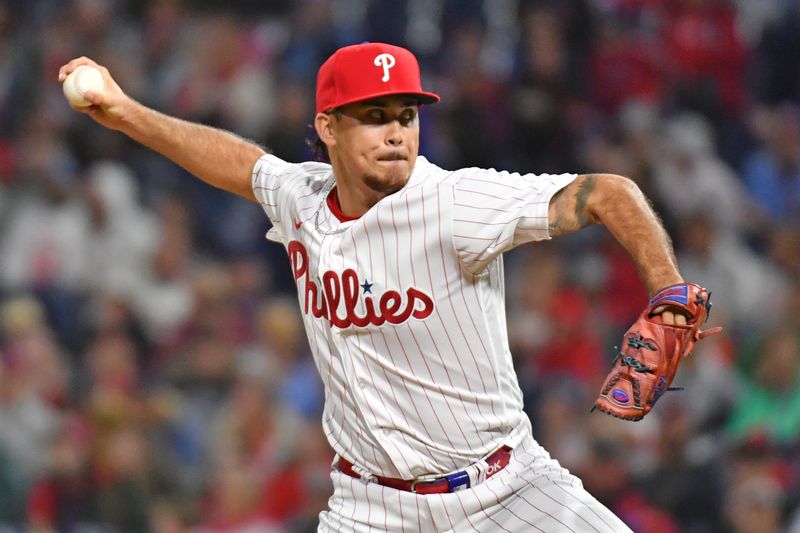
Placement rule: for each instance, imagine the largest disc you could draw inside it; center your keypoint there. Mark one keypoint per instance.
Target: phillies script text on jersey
(344, 287)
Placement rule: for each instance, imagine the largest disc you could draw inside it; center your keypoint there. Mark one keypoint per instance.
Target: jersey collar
(333, 204)
(333, 197)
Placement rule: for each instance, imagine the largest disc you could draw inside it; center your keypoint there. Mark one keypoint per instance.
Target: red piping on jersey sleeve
(336, 209)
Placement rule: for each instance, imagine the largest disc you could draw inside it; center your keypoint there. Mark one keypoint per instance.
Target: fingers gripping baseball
(107, 103)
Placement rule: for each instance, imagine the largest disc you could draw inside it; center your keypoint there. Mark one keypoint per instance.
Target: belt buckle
(458, 481)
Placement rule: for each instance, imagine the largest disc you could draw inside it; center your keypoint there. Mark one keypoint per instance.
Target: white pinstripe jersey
(404, 308)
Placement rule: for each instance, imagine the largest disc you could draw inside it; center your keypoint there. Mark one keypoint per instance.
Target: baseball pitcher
(399, 273)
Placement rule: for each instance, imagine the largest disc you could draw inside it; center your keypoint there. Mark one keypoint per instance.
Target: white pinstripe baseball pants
(533, 493)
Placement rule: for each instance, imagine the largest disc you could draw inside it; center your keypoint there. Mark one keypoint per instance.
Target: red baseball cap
(363, 71)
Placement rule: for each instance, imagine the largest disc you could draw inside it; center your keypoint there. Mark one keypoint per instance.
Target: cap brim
(423, 97)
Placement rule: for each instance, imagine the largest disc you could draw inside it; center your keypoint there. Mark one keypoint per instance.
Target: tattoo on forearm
(554, 223)
(585, 189)
(571, 217)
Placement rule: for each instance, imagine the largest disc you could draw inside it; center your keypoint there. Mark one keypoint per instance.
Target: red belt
(449, 483)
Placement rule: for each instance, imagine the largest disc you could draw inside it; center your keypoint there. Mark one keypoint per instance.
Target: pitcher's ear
(324, 124)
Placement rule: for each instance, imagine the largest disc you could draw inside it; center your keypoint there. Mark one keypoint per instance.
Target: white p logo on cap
(386, 61)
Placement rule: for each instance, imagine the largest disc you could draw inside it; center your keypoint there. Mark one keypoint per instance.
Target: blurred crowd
(154, 374)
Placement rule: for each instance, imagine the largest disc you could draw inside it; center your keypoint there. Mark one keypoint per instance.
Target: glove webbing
(626, 360)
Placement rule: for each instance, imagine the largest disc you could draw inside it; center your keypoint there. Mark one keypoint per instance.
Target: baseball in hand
(82, 79)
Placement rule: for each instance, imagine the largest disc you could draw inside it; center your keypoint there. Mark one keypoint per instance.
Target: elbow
(617, 185)
(613, 192)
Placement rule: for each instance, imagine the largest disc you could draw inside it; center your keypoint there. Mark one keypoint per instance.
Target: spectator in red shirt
(705, 56)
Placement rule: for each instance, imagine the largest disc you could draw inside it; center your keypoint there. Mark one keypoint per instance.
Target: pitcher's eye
(408, 117)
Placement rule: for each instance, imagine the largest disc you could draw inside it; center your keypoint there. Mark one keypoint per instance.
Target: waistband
(464, 479)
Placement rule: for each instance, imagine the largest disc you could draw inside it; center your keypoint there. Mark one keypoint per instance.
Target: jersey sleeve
(267, 183)
(495, 211)
(286, 190)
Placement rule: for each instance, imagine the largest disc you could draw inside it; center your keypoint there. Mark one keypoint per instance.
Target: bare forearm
(217, 157)
(618, 204)
(623, 209)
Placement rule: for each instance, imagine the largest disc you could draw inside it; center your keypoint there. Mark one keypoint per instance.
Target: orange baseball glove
(651, 351)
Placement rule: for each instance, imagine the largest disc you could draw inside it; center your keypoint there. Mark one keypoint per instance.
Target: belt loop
(476, 472)
(366, 477)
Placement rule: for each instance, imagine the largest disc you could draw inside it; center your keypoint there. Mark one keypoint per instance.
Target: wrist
(657, 283)
(133, 117)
